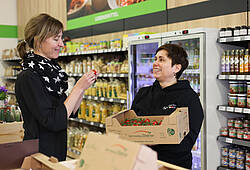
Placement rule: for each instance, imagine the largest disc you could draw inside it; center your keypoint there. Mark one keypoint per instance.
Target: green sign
(8, 31)
(137, 9)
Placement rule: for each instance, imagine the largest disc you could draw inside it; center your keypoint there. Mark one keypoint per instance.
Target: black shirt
(155, 100)
(45, 115)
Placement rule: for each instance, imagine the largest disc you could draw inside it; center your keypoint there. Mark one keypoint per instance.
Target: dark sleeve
(136, 100)
(196, 116)
(38, 102)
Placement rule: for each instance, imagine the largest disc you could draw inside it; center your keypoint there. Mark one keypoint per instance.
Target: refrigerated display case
(203, 57)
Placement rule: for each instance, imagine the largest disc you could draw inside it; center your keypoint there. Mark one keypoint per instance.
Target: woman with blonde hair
(40, 87)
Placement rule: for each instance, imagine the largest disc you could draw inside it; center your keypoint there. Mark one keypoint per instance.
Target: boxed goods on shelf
(111, 152)
(11, 132)
(172, 129)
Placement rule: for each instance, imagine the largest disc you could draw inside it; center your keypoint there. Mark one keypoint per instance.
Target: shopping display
(235, 67)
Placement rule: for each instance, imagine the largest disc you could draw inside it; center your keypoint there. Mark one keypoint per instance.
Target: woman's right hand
(86, 80)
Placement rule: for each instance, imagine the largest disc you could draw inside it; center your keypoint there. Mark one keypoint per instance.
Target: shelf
(223, 168)
(234, 141)
(100, 125)
(191, 71)
(10, 77)
(101, 75)
(122, 101)
(234, 39)
(233, 77)
(73, 153)
(233, 109)
(12, 59)
(94, 51)
(11, 92)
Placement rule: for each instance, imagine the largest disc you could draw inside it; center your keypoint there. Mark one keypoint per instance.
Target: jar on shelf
(230, 122)
(241, 100)
(243, 30)
(240, 165)
(232, 100)
(246, 135)
(232, 153)
(232, 163)
(241, 87)
(240, 133)
(224, 161)
(229, 32)
(232, 133)
(248, 101)
(246, 123)
(237, 31)
(225, 151)
(222, 32)
(233, 87)
(238, 124)
(248, 88)
(224, 131)
(240, 154)
(247, 156)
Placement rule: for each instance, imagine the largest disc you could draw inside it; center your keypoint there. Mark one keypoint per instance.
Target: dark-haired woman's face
(162, 67)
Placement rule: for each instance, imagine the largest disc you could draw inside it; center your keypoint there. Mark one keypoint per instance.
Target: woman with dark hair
(165, 95)
(40, 87)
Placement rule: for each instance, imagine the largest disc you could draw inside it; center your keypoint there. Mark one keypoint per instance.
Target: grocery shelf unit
(72, 151)
(234, 43)
(10, 75)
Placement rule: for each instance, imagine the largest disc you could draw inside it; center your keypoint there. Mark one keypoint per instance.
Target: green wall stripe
(8, 31)
(138, 9)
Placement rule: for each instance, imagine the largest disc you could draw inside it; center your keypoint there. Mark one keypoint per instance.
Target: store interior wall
(8, 16)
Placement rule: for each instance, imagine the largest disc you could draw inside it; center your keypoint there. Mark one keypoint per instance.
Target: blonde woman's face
(50, 47)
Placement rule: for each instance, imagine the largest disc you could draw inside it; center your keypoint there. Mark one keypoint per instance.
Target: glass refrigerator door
(141, 60)
(193, 44)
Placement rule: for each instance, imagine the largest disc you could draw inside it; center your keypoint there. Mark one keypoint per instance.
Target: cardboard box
(11, 132)
(41, 161)
(172, 130)
(109, 152)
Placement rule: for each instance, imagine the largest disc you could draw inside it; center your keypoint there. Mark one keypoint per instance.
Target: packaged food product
(224, 161)
(225, 151)
(241, 100)
(232, 133)
(240, 165)
(246, 123)
(232, 100)
(238, 124)
(232, 163)
(232, 153)
(240, 154)
(240, 133)
(246, 135)
(233, 87)
(230, 122)
(248, 101)
(224, 131)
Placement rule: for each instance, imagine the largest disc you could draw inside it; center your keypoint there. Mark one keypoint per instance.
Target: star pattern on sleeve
(49, 89)
(60, 91)
(42, 62)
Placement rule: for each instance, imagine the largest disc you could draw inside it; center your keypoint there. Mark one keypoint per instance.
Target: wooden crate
(11, 132)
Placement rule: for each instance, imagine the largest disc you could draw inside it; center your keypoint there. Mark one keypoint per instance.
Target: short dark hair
(178, 56)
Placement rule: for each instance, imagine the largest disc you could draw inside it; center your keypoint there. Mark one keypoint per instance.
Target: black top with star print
(44, 114)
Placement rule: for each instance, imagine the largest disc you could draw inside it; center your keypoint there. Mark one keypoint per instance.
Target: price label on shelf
(102, 98)
(222, 77)
(240, 77)
(122, 101)
(236, 39)
(238, 110)
(114, 75)
(232, 77)
(101, 125)
(92, 123)
(111, 100)
(105, 75)
(106, 50)
(247, 77)
(222, 108)
(89, 97)
(109, 50)
(95, 98)
(222, 39)
(110, 75)
(229, 140)
(246, 110)
(230, 109)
